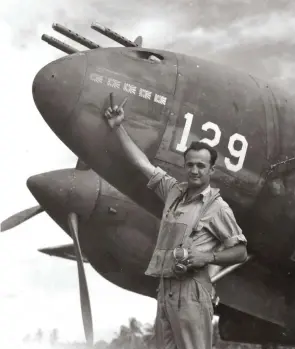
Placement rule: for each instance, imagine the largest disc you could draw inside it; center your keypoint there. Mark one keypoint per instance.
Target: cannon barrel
(113, 35)
(74, 36)
(58, 44)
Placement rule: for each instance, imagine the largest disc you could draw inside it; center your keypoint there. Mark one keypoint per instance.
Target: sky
(39, 291)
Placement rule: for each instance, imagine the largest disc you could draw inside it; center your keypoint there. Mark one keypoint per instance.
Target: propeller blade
(20, 217)
(84, 294)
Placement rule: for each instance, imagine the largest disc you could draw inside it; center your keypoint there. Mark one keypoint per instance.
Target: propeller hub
(65, 191)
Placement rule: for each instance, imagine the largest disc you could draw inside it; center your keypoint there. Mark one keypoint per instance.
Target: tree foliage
(134, 335)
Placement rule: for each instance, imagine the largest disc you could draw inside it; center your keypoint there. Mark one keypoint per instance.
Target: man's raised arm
(115, 117)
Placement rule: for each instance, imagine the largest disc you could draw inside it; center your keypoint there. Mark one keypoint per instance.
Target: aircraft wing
(62, 251)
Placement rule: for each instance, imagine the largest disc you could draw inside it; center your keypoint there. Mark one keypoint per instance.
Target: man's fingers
(115, 107)
(112, 100)
(113, 111)
(121, 106)
(109, 115)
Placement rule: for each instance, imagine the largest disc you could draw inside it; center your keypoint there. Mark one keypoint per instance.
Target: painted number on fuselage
(240, 154)
(188, 124)
(210, 126)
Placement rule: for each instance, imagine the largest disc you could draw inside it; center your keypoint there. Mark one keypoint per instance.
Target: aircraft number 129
(240, 154)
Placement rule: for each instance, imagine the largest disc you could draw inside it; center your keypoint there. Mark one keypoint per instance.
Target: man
(196, 223)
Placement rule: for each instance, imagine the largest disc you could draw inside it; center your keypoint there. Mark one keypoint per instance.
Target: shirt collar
(206, 191)
(203, 195)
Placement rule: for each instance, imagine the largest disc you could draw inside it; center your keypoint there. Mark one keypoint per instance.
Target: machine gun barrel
(113, 35)
(58, 44)
(74, 36)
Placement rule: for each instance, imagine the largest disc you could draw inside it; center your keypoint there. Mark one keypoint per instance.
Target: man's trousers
(184, 315)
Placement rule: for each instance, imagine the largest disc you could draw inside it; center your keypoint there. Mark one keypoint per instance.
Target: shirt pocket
(197, 230)
(202, 227)
(171, 235)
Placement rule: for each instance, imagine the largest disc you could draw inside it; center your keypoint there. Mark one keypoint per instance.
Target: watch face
(180, 253)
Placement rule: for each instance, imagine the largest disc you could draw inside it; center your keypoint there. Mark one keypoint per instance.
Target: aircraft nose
(56, 89)
(65, 191)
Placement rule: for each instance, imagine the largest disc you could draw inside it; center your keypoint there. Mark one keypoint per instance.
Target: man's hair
(202, 145)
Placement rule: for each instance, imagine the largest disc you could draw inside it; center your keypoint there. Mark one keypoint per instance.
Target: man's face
(198, 168)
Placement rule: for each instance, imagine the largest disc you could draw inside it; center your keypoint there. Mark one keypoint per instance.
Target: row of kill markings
(129, 88)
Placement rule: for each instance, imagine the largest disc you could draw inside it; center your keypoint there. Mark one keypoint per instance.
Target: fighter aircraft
(172, 100)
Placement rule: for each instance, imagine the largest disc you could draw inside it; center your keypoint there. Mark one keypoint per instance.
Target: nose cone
(57, 87)
(63, 191)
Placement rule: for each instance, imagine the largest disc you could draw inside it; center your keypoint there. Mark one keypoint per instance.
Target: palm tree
(129, 337)
(136, 333)
(39, 336)
(122, 340)
(149, 337)
(53, 337)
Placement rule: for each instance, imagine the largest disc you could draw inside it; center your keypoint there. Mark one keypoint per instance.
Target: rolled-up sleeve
(226, 229)
(161, 183)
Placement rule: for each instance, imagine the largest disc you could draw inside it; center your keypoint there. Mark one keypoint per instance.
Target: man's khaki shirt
(182, 225)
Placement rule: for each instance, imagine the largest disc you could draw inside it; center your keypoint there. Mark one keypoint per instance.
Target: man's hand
(115, 114)
(197, 259)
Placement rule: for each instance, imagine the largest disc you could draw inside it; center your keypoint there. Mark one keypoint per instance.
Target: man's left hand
(197, 259)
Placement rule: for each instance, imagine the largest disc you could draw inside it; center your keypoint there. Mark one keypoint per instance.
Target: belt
(201, 275)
